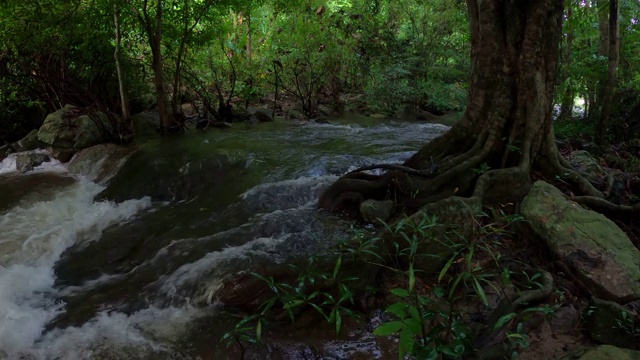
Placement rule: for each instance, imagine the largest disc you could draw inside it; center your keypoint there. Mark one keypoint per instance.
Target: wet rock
(181, 171)
(373, 211)
(604, 352)
(62, 155)
(100, 162)
(27, 161)
(601, 254)
(29, 142)
(71, 128)
(322, 120)
(565, 320)
(294, 114)
(220, 125)
(612, 324)
(5, 150)
(585, 163)
(261, 115)
(146, 123)
(189, 110)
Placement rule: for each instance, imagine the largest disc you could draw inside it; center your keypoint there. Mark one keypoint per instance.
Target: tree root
(508, 306)
(424, 173)
(606, 207)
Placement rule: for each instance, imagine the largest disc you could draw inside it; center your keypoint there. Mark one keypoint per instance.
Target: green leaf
(399, 292)
(412, 277)
(259, 330)
(480, 291)
(389, 328)
(406, 342)
(336, 269)
(446, 267)
(503, 320)
(397, 309)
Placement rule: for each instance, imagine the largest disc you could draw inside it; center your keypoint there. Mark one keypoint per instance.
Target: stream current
(84, 278)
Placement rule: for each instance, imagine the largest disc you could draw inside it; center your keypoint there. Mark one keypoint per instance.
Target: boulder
(5, 150)
(146, 123)
(599, 253)
(62, 155)
(611, 323)
(99, 163)
(70, 128)
(375, 210)
(585, 163)
(294, 114)
(27, 161)
(29, 142)
(565, 320)
(189, 110)
(604, 352)
(262, 115)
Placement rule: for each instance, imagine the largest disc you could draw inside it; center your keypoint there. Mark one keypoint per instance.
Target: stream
(126, 267)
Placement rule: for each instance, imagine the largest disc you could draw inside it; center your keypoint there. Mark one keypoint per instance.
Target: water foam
(8, 164)
(33, 238)
(115, 335)
(209, 267)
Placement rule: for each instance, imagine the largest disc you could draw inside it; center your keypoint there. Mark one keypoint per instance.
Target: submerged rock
(100, 162)
(178, 171)
(599, 252)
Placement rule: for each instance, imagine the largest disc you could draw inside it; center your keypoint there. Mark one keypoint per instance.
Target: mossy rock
(598, 251)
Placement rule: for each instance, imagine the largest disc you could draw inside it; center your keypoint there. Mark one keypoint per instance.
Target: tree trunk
(568, 96)
(507, 126)
(603, 52)
(116, 55)
(612, 72)
(155, 41)
(181, 48)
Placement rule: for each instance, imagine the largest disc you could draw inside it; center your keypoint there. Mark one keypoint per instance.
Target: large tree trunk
(612, 72)
(507, 126)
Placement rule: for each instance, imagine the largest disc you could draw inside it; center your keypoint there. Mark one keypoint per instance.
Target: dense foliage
(396, 53)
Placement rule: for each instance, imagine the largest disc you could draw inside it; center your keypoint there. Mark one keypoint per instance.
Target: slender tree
(613, 53)
(116, 55)
(152, 24)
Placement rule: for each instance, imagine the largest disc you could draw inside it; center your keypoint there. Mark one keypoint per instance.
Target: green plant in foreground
(427, 323)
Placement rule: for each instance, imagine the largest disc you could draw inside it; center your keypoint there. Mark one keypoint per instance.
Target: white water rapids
(180, 274)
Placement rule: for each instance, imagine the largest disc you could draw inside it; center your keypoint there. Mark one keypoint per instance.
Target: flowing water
(132, 275)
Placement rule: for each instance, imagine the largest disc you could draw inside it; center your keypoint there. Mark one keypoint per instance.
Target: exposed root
(508, 306)
(606, 207)
(563, 169)
(424, 173)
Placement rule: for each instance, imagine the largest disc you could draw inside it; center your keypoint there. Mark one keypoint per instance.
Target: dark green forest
(509, 232)
(228, 53)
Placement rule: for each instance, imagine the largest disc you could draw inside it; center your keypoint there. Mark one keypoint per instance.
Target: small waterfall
(34, 235)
